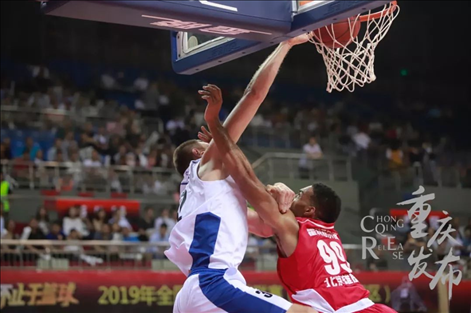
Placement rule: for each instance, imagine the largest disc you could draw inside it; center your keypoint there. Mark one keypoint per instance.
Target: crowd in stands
(114, 121)
(78, 225)
(116, 227)
(458, 242)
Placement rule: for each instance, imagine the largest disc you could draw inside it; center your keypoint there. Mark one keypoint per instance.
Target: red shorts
(378, 308)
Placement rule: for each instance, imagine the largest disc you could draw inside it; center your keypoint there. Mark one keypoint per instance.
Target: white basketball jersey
(212, 230)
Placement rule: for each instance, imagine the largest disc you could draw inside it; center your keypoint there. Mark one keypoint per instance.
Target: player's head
(186, 152)
(318, 201)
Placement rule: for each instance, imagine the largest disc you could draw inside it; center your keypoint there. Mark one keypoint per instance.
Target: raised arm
(236, 164)
(254, 95)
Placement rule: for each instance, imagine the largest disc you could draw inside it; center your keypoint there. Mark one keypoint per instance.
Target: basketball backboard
(206, 33)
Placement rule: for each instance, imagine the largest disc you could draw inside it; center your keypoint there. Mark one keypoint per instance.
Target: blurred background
(91, 114)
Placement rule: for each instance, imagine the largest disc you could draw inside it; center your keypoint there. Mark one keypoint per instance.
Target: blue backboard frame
(266, 23)
(305, 21)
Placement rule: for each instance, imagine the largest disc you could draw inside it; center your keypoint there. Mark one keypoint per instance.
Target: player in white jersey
(210, 239)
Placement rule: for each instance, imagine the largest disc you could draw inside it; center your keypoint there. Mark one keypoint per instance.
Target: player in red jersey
(312, 263)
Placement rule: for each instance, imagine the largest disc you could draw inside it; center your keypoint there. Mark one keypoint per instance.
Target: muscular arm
(284, 226)
(257, 226)
(247, 107)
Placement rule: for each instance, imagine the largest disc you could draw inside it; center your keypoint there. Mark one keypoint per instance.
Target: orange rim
(377, 15)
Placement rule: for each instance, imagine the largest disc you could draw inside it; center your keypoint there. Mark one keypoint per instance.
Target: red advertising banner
(91, 205)
(148, 291)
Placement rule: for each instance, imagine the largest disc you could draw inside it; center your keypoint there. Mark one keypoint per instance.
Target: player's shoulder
(314, 223)
(313, 228)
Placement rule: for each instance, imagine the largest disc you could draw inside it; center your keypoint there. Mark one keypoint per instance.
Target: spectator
(152, 159)
(108, 81)
(119, 218)
(395, 156)
(146, 224)
(455, 223)
(116, 232)
(5, 150)
(38, 158)
(128, 236)
(10, 253)
(120, 157)
(162, 235)
(416, 155)
(5, 191)
(141, 83)
(74, 168)
(112, 149)
(32, 147)
(311, 151)
(73, 221)
(86, 138)
(73, 237)
(454, 243)
(142, 159)
(362, 140)
(101, 138)
(94, 161)
(174, 124)
(52, 152)
(133, 137)
(258, 121)
(4, 153)
(164, 218)
(69, 143)
(380, 264)
(104, 233)
(43, 219)
(131, 159)
(463, 228)
(9, 232)
(60, 157)
(153, 186)
(56, 232)
(65, 183)
(153, 99)
(99, 220)
(430, 159)
(21, 166)
(33, 232)
(413, 245)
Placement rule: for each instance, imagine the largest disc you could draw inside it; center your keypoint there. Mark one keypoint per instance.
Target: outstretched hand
(212, 94)
(205, 135)
(298, 40)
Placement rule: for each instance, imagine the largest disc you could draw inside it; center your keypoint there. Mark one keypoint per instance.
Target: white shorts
(217, 291)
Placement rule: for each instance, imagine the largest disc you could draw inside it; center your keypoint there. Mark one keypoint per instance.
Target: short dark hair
(58, 223)
(327, 202)
(163, 225)
(183, 155)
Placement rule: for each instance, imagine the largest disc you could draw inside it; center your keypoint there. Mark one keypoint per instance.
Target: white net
(352, 64)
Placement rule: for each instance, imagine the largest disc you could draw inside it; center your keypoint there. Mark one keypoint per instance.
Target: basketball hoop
(350, 61)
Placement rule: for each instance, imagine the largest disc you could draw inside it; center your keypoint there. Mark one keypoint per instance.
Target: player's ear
(310, 211)
(197, 153)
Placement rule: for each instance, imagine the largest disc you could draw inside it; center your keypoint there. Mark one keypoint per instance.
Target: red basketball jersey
(318, 275)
